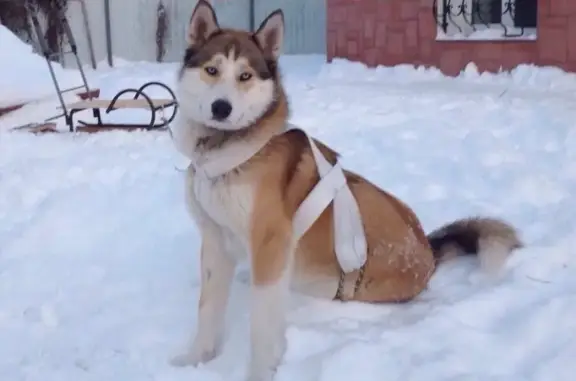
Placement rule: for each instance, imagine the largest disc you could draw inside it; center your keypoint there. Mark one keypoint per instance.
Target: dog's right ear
(270, 34)
(202, 23)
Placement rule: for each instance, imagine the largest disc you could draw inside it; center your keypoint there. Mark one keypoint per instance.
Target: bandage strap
(349, 237)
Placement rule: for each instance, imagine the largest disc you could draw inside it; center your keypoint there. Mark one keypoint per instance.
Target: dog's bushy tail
(491, 239)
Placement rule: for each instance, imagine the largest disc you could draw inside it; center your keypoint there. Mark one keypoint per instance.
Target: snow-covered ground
(99, 261)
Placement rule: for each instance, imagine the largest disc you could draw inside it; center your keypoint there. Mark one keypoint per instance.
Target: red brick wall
(391, 32)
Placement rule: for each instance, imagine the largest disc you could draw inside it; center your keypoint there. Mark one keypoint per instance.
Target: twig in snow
(538, 280)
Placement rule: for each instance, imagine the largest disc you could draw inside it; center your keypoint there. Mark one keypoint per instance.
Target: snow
(24, 75)
(99, 259)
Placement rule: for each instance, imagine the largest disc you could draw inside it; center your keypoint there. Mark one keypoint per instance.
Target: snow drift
(24, 75)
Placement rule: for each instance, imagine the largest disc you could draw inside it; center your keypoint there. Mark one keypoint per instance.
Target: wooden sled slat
(121, 103)
(93, 128)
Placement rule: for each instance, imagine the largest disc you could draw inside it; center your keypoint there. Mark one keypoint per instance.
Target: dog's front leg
(217, 273)
(271, 267)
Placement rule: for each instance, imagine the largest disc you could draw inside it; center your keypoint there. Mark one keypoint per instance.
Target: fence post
(252, 16)
(108, 32)
(88, 33)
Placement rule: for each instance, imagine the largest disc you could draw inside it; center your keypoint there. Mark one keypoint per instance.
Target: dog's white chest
(226, 201)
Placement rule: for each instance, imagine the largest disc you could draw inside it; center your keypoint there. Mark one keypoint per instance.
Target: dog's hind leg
(217, 273)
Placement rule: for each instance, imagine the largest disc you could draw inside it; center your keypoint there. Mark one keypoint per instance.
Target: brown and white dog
(233, 120)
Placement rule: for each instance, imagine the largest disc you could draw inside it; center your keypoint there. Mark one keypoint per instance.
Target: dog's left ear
(270, 34)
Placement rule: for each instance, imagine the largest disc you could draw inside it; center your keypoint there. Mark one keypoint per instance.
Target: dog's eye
(245, 76)
(211, 70)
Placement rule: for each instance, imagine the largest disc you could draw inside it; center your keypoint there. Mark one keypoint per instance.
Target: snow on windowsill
(490, 34)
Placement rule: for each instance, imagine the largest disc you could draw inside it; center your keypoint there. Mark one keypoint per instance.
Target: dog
(248, 176)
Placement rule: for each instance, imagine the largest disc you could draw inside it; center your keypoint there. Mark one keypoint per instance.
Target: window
(486, 19)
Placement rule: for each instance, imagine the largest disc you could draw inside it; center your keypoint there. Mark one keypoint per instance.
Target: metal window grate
(512, 16)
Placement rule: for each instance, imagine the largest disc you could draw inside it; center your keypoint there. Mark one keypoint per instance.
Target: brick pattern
(392, 32)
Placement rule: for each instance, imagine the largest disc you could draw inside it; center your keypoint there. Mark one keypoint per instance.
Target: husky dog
(248, 176)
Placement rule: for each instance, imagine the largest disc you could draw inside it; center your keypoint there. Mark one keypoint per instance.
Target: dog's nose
(221, 109)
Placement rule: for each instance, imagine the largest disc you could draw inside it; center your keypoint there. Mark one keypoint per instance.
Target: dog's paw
(261, 375)
(193, 358)
(183, 360)
(264, 366)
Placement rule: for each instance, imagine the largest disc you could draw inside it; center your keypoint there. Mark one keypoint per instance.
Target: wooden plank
(120, 103)
(6, 109)
(93, 128)
(37, 128)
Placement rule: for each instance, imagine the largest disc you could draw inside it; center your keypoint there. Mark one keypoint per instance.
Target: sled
(140, 100)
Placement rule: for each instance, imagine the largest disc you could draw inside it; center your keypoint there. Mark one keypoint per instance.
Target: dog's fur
(247, 212)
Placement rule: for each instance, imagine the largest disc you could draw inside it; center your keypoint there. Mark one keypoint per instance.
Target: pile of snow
(524, 77)
(24, 75)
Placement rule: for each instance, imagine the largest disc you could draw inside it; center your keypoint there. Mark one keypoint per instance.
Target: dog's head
(229, 78)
